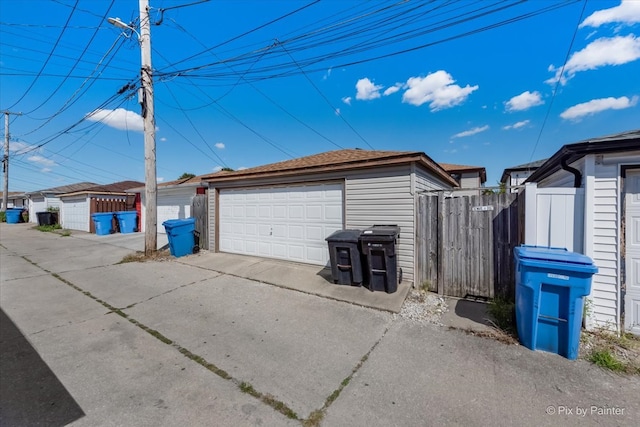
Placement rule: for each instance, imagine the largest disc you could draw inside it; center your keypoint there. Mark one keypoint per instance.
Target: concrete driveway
(182, 342)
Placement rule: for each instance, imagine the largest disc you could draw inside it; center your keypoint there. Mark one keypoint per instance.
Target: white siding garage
(75, 213)
(174, 206)
(289, 222)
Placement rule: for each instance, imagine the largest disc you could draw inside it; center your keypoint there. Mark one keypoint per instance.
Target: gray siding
(384, 196)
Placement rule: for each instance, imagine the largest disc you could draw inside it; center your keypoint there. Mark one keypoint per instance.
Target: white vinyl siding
(36, 204)
(601, 229)
(74, 213)
(605, 240)
(174, 204)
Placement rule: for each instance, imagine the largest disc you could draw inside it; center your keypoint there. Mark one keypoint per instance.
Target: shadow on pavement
(30, 393)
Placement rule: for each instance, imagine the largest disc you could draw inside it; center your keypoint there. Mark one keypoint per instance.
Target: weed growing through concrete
(141, 257)
(502, 311)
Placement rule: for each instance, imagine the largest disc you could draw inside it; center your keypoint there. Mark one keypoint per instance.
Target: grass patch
(502, 312)
(141, 257)
(48, 228)
(605, 359)
(617, 353)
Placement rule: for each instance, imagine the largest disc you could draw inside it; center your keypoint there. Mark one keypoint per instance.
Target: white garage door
(75, 214)
(281, 222)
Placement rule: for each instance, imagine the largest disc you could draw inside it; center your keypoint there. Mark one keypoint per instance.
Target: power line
(326, 99)
(555, 87)
(48, 57)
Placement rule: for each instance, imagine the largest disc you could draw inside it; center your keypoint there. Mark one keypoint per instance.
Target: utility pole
(5, 160)
(150, 186)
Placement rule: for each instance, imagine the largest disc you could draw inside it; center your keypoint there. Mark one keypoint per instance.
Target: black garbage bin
(47, 218)
(345, 257)
(382, 272)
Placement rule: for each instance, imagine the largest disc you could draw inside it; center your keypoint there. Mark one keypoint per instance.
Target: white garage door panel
(281, 222)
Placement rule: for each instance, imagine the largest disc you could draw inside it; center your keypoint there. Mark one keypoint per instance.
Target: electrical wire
(48, 58)
(333, 108)
(555, 87)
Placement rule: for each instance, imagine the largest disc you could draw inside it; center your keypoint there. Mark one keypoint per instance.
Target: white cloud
(46, 170)
(159, 179)
(217, 168)
(119, 118)
(599, 53)
(627, 12)
(392, 89)
(242, 168)
(163, 139)
(524, 101)
(471, 131)
(18, 148)
(366, 90)
(597, 106)
(438, 89)
(327, 74)
(516, 125)
(337, 111)
(347, 100)
(41, 160)
(220, 145)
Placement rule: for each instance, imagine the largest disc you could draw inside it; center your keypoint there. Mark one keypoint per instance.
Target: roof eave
(573, 152)
(360, 164)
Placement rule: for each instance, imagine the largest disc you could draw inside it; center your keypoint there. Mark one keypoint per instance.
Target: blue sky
(243, 83)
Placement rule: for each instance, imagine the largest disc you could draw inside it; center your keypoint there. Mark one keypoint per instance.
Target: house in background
(588, 196)
(41, 200)
(173, 199)
(286, 210)
(514, 177)
(15, 199)
(470, 179)
(77, 206)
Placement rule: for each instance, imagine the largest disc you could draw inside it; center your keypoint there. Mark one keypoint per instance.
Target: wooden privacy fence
(199, 210)
(100, 204)
(464, 245)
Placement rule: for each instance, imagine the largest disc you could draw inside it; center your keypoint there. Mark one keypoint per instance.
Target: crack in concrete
(265, 398)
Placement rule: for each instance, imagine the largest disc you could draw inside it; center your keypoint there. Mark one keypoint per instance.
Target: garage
(174, 205)
(287, 222)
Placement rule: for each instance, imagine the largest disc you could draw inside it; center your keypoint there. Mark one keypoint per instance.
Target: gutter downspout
(577, 181)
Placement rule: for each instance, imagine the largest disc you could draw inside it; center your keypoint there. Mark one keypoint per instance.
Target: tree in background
(187, 175)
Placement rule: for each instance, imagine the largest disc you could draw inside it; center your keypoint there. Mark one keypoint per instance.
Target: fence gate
(465, 244)
(199, 210)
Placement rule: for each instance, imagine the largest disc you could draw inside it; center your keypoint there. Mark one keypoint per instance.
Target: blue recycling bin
(103, 223)
(551, 284)
(127, 221)
(12, 215)
(181, 236)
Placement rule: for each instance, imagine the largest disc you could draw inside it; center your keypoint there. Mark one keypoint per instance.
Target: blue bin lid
(101, 214)
(543, 253)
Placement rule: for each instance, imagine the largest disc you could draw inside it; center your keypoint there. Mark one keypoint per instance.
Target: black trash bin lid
(348, 236)
(382, 231)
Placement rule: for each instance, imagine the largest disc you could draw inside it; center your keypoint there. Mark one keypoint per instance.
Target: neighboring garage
(76, 207)
(286, 210)
(173, 200)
